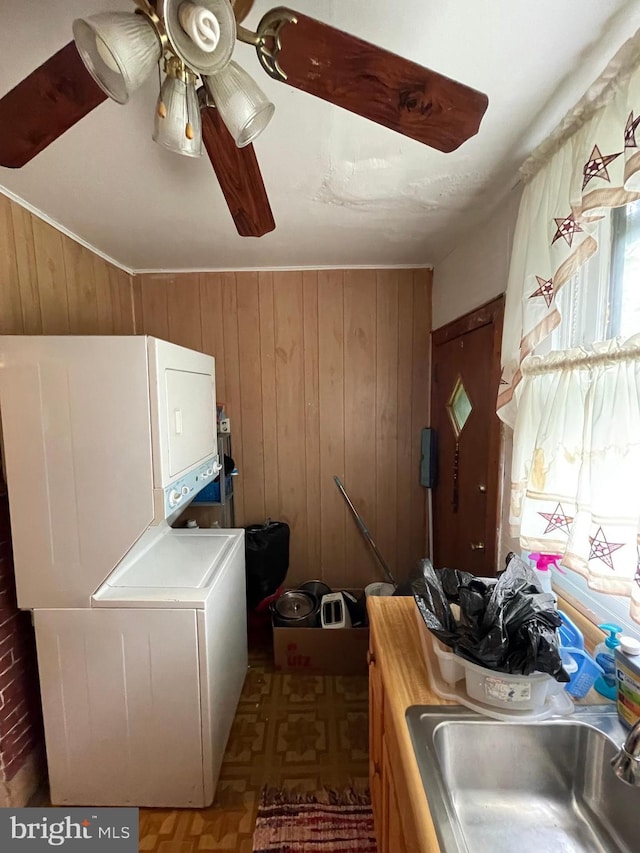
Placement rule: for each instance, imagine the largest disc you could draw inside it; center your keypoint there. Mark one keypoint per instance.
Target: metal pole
(365, 532)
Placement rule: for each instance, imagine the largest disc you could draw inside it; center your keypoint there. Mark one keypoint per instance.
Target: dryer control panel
(179, 493)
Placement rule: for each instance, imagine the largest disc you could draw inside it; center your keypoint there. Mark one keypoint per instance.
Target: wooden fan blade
(374, 83)
(241, 9)
(239, 175)
(46, 103)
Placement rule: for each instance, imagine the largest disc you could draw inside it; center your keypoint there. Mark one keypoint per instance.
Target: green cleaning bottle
(604, 654)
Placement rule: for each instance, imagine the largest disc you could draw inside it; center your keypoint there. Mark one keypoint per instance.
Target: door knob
(482, 488)
(476, 546)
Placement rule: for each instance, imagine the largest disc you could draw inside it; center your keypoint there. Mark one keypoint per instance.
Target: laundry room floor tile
(298, 732)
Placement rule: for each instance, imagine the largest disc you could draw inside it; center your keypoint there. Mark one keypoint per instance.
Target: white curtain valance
(575, 486)
(594, 169)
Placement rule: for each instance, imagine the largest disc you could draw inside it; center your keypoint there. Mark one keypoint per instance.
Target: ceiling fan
(207, 98)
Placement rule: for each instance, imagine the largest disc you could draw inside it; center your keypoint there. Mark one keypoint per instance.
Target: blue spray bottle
(604, 654)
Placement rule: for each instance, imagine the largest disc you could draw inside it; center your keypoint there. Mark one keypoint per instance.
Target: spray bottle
(543, 561)
(604, 654)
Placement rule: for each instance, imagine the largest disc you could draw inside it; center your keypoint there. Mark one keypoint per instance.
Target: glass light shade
(120, 50)
(243, 106)
(177, 124)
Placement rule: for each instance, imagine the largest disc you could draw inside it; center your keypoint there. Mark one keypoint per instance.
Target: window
(624, 299)
(602, 300)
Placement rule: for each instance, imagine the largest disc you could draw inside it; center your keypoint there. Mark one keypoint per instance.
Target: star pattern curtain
(596, 168)
(575, 486)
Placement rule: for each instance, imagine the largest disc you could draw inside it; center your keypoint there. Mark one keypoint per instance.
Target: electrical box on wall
(428, 458)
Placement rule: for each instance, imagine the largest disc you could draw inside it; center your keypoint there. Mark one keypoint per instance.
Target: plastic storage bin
(583, 679)
(448, 679)
(487, 686)
(504, 690)
(585, 670)
(450, 665)
(499, 689)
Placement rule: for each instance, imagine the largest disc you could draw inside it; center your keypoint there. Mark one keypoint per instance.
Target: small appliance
(334, 612)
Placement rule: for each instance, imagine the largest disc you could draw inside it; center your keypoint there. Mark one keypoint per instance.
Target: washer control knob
(185, 490)
(174, 497)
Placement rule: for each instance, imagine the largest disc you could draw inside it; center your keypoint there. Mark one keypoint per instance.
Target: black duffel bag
(266, 548)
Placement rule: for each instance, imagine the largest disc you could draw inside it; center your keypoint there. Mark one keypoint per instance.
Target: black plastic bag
(266, 549)
(471, 595)
(509, 626)
(434, 605)
(435, 591)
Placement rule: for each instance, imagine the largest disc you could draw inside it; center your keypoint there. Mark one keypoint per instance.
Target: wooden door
(466, 373)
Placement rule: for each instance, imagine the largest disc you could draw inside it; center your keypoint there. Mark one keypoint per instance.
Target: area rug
(326, 822)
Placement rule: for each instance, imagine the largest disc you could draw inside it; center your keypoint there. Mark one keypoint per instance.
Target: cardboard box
(321, 651)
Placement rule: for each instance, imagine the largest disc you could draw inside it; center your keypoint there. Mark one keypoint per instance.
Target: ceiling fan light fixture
(119, 49)
(243, 106)
(177, 124)
(188, 24)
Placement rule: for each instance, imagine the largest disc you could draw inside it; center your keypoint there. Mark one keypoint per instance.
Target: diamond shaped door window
(459, 406)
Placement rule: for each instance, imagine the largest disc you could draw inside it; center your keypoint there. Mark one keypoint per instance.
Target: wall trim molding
(181, 271)
(288, 269)
(59, 227)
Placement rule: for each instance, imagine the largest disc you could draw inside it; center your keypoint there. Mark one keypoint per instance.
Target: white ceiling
(344, 191)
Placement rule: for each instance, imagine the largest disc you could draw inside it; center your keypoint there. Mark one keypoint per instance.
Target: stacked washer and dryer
(140, 627)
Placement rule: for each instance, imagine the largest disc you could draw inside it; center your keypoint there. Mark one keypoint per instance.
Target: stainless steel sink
(504, 787)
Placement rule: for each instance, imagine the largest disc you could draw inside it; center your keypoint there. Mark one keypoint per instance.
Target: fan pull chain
(162, 109)
(188, 131)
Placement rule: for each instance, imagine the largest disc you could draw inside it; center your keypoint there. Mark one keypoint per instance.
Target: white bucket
(379, 588)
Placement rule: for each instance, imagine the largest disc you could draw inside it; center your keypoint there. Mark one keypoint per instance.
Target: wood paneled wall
(322, 373)
(51, 285)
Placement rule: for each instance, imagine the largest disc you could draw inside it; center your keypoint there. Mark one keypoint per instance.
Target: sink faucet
(626, 764)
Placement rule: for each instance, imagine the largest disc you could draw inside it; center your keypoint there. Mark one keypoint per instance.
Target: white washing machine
(139, 691)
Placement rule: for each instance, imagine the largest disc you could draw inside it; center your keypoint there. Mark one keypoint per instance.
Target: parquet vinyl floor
(300, 732)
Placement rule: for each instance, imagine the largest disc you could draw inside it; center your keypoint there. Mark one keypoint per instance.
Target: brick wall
(21, 732)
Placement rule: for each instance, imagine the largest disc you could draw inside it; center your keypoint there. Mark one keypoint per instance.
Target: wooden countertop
(394, 632)
(395, 637)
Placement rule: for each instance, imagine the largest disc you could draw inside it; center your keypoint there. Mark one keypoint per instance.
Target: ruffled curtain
(575, 486)
(591, 165)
